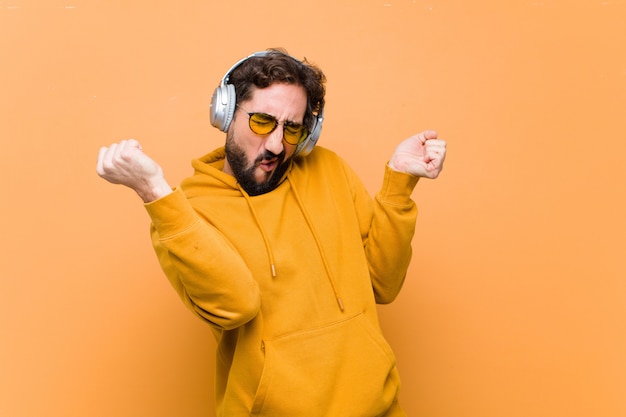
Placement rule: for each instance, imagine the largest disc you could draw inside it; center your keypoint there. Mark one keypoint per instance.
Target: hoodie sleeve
(203, 267)
(387, 243)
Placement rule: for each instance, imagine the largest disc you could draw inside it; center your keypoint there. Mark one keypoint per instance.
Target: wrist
(154, 189)
(396, 166)
(391, 165)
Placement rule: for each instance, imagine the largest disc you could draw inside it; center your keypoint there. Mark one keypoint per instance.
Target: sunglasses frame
(286, 124)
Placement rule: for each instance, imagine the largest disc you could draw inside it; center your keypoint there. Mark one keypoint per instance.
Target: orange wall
(516, 300)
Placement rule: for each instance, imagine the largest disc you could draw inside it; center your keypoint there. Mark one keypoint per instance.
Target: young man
(277, 245)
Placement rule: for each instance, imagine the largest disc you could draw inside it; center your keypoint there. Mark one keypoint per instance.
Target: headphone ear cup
(308, 144)
(223, 106)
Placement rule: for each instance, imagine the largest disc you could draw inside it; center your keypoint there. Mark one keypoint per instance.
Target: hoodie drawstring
(268, 248)
(318, 243)
(309, 223)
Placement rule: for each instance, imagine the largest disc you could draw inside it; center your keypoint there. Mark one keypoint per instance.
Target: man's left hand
(421, 155)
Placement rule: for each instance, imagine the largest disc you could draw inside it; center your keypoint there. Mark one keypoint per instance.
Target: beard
(245, 173)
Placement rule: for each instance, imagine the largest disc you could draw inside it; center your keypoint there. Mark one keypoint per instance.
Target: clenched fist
(125, 163)
(421, 155)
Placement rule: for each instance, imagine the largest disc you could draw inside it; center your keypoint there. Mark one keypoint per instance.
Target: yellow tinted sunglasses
(264, 124)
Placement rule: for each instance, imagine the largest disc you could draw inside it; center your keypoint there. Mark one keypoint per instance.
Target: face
(258, 162)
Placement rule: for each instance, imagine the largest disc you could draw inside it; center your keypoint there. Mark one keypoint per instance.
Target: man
(277, 245)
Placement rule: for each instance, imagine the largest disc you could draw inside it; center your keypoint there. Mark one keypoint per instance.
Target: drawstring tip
(273, 271)
(340, 304)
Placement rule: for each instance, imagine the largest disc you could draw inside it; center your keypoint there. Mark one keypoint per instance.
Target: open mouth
(268, 166)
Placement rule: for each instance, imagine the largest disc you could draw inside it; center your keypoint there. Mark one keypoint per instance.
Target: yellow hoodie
(289, 282)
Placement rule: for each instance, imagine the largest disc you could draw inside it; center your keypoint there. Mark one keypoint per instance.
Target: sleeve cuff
(171, 214)
(397, 186)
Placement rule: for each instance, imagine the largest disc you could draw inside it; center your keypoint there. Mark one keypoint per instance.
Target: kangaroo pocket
(344, 369)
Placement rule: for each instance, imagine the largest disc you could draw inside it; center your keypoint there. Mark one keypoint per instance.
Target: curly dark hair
(280, 67)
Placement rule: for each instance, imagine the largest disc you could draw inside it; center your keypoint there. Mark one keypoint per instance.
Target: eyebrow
(271, 115)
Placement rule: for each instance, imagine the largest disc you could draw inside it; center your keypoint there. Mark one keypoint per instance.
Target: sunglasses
(264, 124)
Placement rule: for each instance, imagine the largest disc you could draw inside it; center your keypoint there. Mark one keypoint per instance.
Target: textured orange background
(516, 300)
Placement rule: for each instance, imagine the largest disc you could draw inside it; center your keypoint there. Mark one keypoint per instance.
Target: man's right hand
(125, 163)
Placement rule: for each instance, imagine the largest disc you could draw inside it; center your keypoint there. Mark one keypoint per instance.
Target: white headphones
(223, 104)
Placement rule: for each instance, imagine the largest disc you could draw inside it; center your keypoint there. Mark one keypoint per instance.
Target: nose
(274, 141)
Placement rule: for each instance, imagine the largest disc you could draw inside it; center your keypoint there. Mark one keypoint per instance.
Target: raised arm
(388, 244)
(205, 270)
